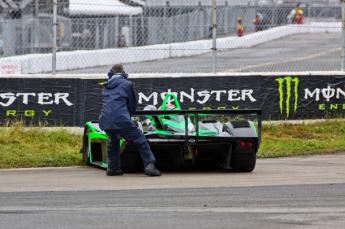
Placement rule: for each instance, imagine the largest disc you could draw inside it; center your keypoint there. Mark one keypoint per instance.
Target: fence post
(117, 30)
(130, 31)
(54, 36)
(214, 36)
(343, 35)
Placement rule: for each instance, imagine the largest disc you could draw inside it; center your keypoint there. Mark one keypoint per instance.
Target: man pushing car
(119, 104)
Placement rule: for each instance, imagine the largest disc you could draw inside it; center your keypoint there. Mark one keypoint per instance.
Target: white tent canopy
(140, 2)
(101, 7)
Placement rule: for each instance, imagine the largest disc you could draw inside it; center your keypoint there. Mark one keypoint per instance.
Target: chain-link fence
(91, 36)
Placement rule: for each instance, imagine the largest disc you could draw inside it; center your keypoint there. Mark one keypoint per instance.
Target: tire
(86, 156)
(122, 147)
(131, 162)
(243, 162)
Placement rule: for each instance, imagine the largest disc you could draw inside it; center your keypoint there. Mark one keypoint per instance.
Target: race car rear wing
(247, 114)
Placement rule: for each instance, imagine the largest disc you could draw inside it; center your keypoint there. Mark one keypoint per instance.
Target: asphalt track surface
(295, 192)
(299, 52)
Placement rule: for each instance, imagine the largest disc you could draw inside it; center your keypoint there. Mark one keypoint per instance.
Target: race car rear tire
(131, 162)
(243, 162)
(85, 149)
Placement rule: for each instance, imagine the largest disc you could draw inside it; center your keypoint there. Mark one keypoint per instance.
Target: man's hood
(115, 80)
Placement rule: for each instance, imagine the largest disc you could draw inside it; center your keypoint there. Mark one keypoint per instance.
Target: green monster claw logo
(288, 81)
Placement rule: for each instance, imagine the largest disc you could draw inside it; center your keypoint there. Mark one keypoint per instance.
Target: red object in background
(240, 30)
(299, 19)
(255, 22)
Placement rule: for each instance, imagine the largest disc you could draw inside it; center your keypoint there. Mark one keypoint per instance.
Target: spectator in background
(240, 29)
(258, 22)
(299, 14)
(291, 17)
(121, 42)
(255, 21)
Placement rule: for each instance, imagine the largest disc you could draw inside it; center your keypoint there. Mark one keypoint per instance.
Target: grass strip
(22, 147)
(289, 139)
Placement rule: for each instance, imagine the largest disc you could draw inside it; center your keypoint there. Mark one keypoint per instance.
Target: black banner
(192, 92)
(56, 101)
(73, 101)
(302, 97)
(202, 92)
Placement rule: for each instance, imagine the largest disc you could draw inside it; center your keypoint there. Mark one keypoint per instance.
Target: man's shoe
(114, 172)
(151, 170)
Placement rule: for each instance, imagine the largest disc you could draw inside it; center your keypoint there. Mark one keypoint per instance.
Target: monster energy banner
(302, 97)
(56, 101)
(73, 101)
(192, 92)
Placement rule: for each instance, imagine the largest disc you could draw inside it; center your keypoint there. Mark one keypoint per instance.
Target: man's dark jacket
(119, 103)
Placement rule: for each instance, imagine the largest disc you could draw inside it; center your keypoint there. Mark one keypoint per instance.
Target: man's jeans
(131, 134)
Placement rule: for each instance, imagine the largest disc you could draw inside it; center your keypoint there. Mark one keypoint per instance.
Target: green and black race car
(227, 139)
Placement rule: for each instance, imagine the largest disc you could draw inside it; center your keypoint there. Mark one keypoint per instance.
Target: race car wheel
(131, 162)
(243, 162)
(86, 156)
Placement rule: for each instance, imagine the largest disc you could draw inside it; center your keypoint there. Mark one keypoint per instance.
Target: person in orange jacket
(240, 29)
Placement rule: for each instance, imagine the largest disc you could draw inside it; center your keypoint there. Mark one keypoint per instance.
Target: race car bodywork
(225, 138)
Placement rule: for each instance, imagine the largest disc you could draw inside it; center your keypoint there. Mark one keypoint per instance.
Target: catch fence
(93, 36)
